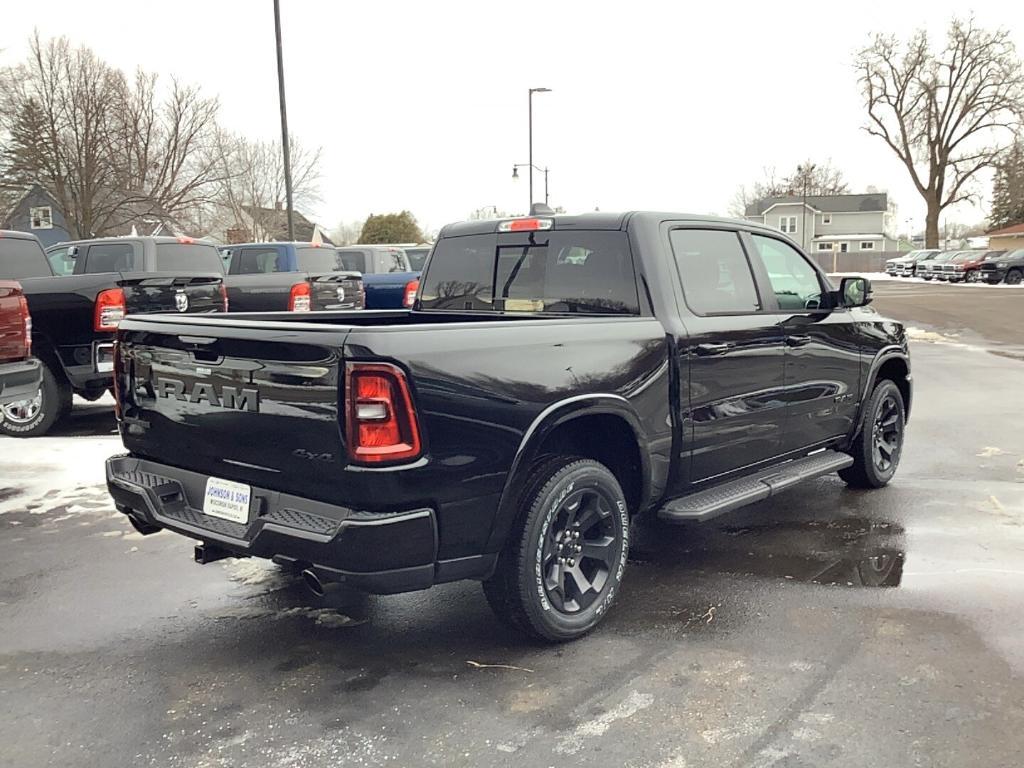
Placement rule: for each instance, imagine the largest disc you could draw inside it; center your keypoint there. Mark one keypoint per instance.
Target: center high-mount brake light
(110, 310)
(186, 240)
(300, 299)
(380, 421)
(411, 288)
(525, 225)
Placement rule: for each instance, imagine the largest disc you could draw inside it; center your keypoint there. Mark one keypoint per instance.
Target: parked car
(289, 276)
(906, 265)
(388, 279)
(74, 318)
(931, 268)
(416, 253)
(556, 376)
(20, 373)
(965, 265)
(1009, 268)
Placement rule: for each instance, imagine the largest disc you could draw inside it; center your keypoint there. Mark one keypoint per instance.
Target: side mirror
(72, 252)
(855, 292)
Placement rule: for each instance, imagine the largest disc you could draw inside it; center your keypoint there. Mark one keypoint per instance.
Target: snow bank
(47, 472)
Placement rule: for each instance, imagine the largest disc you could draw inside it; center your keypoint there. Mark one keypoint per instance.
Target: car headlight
(1001, 265)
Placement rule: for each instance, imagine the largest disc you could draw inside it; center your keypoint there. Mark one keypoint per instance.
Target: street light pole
(530, 112)
(544, 170)
(285, 149)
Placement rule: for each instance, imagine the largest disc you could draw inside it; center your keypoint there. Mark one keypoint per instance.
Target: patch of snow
(51, 472)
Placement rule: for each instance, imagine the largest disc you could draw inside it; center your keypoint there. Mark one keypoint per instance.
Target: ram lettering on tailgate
(230, 398)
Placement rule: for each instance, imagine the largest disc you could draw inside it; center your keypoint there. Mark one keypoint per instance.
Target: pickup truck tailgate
(145, 293)
(234, 400)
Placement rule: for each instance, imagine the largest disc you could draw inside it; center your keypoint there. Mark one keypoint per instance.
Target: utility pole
(285, 148)
(805, 171)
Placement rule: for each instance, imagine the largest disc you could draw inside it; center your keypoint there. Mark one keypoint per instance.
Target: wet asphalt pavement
(824, 627)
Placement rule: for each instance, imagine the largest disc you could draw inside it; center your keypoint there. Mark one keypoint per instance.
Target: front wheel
(1014, 276)
(35, 416)
(877, 449)
(562, 565)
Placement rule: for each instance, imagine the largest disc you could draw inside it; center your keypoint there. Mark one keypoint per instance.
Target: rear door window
(179, 257)
(256, 261)
(22, 258)
(111, 257)
(714, 271)
(571, 271)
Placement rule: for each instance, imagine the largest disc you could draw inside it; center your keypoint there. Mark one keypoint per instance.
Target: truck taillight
(26, 323)
(411, 288)
(300, 299)
(380, 419)
(224, 296)
(110, 310)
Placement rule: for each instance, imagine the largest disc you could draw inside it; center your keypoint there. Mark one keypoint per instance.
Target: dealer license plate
(227, 500)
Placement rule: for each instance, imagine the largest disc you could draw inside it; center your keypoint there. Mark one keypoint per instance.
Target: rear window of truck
(567, 271)
(313, 259)
(175, 257)
(22, 258)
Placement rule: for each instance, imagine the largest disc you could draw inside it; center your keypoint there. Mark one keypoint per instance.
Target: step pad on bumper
(709, 503)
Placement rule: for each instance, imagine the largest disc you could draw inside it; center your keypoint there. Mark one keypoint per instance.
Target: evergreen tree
(1008, 188)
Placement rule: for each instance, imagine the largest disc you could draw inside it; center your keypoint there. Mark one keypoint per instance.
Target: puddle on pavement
(851, 551)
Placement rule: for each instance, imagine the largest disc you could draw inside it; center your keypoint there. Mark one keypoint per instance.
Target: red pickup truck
(19, 371)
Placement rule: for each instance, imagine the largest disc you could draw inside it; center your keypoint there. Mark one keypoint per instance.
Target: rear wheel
(35, 416)
(1014, 276)
(877, 449)
(562, 565)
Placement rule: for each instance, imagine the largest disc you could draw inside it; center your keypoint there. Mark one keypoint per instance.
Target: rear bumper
(20, 380)
(382, 553)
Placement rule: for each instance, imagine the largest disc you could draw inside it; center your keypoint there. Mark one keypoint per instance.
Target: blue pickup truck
(388, 279)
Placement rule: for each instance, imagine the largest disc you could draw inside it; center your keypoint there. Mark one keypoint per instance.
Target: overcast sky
(422, 105)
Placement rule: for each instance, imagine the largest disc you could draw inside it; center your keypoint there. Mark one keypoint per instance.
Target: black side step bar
(712, 502)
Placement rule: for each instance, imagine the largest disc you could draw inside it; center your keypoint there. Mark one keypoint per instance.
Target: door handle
(797, 341)
(705, 350)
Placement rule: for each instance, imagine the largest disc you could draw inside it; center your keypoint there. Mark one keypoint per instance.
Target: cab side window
(714, 271)
(794, 281)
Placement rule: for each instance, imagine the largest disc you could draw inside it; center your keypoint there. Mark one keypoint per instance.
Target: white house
(843, 223)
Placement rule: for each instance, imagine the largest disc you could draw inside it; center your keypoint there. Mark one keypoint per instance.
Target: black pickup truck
(73, 322)
(555, 377)
(258, 277)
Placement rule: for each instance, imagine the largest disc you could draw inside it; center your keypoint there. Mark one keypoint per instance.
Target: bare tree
(110, 154)
(821, 179)
(347, 233)
(250, 181)
(945, 114)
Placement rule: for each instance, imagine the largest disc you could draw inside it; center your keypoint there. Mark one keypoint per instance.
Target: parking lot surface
(824, 627)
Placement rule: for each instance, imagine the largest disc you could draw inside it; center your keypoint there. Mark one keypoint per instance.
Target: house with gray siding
(830, 223)
(37, 212)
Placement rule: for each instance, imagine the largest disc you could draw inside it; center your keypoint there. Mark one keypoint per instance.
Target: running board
(712, 502)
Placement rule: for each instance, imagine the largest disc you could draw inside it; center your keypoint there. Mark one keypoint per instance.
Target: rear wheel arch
(600, 428)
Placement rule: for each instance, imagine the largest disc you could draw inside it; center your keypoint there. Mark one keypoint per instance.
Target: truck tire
(1013, 277)
(877, 449)
(562, 565)
(32, 418)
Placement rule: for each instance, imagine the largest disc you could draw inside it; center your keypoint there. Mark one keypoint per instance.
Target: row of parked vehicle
(62, 307)
(961, 266)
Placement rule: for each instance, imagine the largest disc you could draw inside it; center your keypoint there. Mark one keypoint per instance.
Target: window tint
(545, 271)
(60, 262)
(353, 261)
(417, 258)
(794, 281)
(254, 261)
(714, 271)
(110, 257)
(22, 258)
(313, 259)
(173, 257)
(392, 260)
